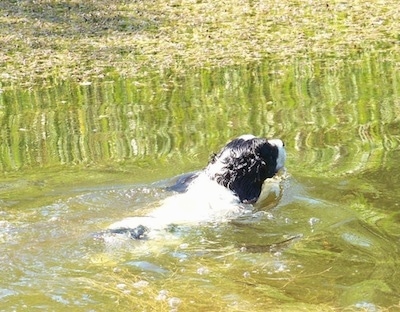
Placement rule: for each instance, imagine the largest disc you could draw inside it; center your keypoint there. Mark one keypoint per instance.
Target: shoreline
(83, 41)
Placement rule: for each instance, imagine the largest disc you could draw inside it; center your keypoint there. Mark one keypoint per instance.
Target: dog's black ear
(243, 166)
(258, 163)
(269, 155)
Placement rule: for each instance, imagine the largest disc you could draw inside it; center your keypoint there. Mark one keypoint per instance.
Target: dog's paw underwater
(224, 190)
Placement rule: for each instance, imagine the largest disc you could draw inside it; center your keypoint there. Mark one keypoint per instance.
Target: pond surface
(76, 158)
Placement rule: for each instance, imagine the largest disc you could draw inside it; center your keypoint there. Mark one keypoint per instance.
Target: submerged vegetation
(43, 40)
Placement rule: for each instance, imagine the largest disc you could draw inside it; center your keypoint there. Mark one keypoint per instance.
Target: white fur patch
(280, 161)
(204, 201)
(246, 137)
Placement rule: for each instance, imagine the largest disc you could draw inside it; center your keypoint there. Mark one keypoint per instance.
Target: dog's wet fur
(223, 190)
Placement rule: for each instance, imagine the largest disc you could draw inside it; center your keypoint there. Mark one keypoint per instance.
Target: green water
(76, 158)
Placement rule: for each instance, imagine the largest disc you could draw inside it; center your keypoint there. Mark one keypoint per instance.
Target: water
(76, 158)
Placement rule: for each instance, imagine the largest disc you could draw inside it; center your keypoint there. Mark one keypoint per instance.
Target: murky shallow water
(77, 158)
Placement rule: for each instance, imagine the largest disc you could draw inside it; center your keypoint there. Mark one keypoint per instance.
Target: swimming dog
(223, 190)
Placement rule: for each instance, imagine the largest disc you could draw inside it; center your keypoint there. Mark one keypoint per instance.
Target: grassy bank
(44, 40)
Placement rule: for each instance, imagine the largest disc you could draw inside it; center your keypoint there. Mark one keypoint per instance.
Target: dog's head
(244, 164)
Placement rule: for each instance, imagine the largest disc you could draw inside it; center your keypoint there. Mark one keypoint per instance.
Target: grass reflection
(329, 112)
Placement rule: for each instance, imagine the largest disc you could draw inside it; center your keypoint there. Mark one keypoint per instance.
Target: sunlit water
(76, 158)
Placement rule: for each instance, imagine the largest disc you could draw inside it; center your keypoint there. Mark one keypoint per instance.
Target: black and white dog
(224, 190)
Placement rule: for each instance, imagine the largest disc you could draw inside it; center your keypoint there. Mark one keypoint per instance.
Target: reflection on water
(76, 158)
(342, 114)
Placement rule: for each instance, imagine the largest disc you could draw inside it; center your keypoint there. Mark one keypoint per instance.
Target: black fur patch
(246, 163)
